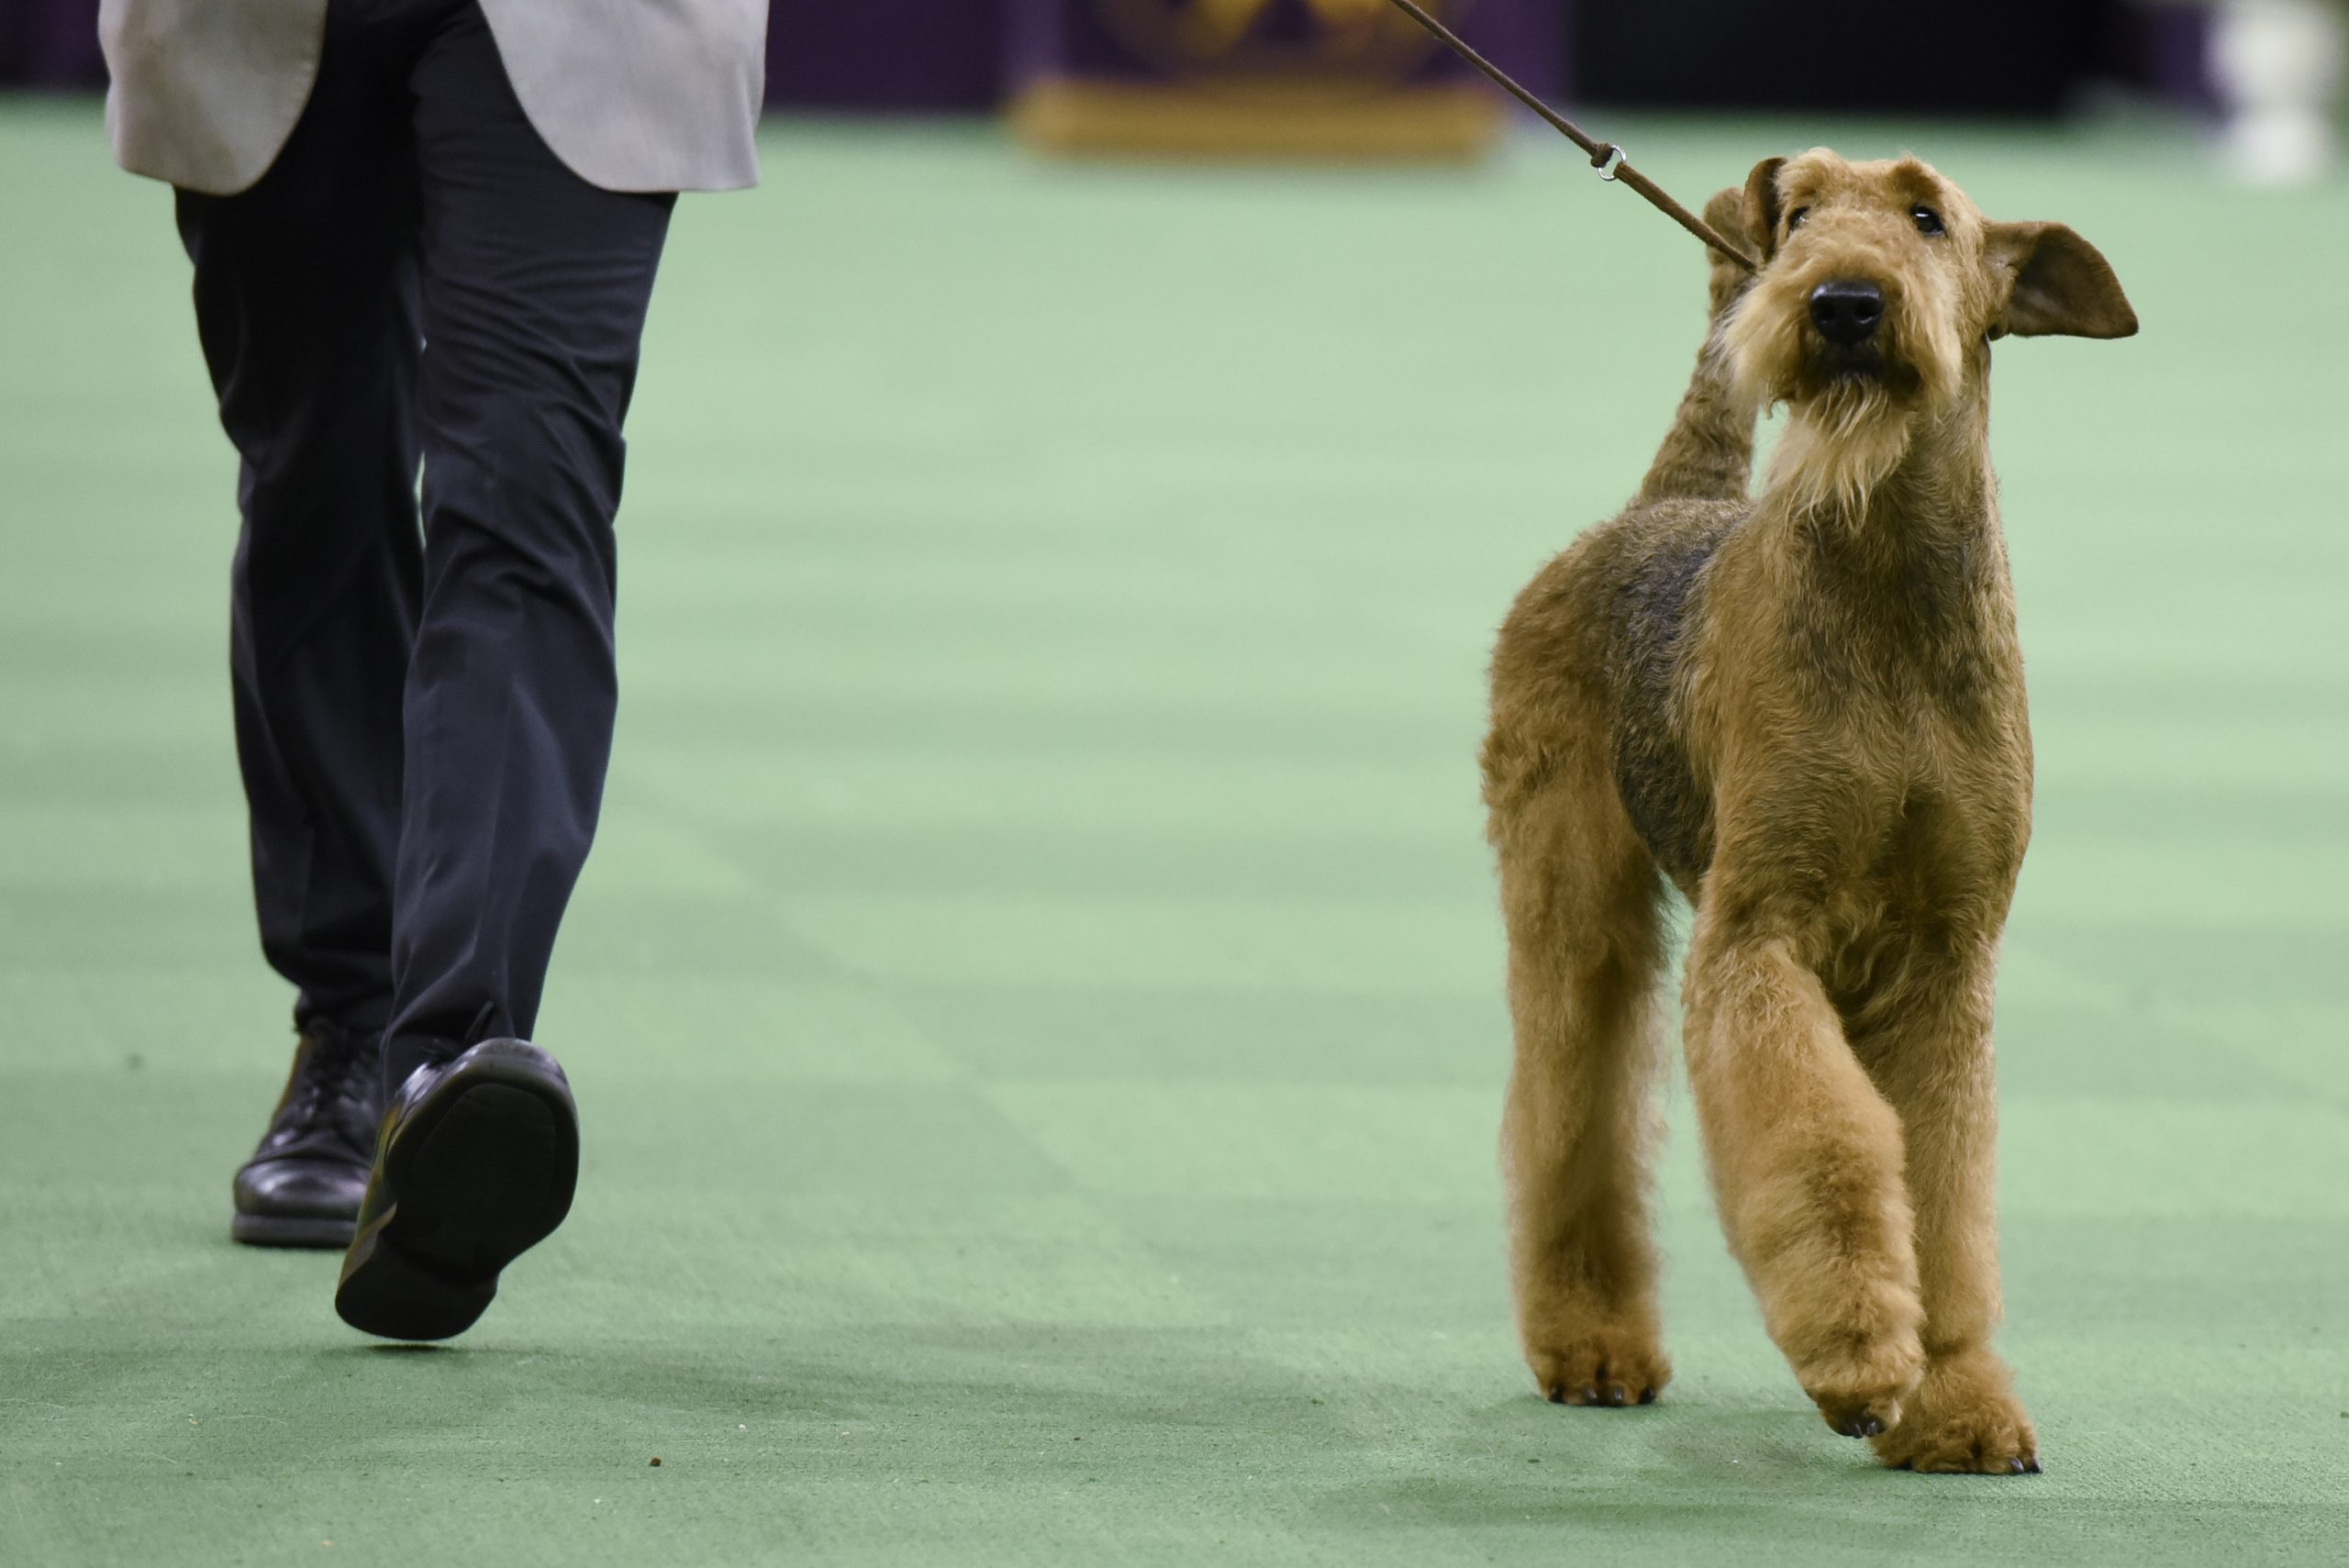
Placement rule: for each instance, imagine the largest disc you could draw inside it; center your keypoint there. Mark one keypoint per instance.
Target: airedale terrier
(1806, 709)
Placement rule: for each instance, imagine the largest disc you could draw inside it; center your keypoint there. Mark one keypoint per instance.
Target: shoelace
(330, 1104)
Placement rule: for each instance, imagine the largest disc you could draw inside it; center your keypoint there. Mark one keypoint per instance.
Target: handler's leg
(306, 304)
(536, 285)
(535, 289)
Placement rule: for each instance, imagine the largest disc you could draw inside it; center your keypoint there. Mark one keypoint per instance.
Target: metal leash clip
(1605, 155)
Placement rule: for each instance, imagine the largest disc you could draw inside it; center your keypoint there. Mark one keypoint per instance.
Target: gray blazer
(632, 94)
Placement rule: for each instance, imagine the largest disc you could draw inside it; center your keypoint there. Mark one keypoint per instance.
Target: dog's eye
(1927, 220)
(1794, 218)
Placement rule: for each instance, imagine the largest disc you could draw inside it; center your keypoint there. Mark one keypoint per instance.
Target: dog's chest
(1883, 708)
(1935, 889)
(1954, 840)
(1910, 788)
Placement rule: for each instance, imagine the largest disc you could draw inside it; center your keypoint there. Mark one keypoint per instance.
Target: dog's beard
(1849, 425)
(1839, 445)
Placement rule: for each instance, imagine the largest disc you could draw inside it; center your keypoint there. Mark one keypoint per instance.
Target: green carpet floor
(1035, 1004)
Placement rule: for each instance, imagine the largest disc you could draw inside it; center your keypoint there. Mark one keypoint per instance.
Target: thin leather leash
(1605, 155)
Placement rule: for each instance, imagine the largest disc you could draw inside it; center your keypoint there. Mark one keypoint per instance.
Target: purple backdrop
(957, 55)
(937, 56)
(50, 43)
(1071, 37)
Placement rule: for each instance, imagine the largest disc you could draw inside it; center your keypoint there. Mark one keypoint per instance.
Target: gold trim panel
(1300, 120)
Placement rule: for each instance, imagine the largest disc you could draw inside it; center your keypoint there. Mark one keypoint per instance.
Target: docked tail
(1708, 453)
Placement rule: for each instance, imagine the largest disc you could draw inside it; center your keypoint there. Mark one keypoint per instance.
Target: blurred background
(1036, 999)
(1352, 77)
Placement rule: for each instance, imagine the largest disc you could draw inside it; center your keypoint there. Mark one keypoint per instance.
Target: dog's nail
(2031, 1466)
(1590, 1394)
(1871, 1427)
(1647, 1395)
(2015, 1465)
(1557, 1394)
(1617, 1396)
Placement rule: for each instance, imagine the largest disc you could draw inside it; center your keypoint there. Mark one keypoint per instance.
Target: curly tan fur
(1805, 710)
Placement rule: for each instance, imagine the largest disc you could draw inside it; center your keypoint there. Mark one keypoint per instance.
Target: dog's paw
(1600, 1364)
(1861, 1389)
(1964, 1420)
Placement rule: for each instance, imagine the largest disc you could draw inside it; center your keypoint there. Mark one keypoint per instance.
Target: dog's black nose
(1845, 311)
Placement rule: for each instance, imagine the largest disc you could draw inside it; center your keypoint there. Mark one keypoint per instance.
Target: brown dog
(1807, 711)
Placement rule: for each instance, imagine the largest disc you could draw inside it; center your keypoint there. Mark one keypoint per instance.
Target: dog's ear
(2056, 285)
(1759, 210)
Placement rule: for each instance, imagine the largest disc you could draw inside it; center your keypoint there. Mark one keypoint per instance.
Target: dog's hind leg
(1580, 897)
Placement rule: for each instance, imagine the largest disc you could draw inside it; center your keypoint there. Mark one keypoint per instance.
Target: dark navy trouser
(424, 696)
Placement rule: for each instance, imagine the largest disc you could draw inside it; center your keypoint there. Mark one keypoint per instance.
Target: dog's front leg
(1932, 1061)
(1806, 1160)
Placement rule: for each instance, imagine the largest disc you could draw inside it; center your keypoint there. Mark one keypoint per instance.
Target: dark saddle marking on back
(1646, 644)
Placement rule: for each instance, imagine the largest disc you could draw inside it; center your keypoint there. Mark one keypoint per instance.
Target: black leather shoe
(303, 1185)
(475, 1165)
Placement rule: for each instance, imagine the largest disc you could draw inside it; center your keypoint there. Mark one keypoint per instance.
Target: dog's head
(1879, 286)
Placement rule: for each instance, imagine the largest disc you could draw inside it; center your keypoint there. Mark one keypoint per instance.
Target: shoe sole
(480, 1172)
(291, 1230)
